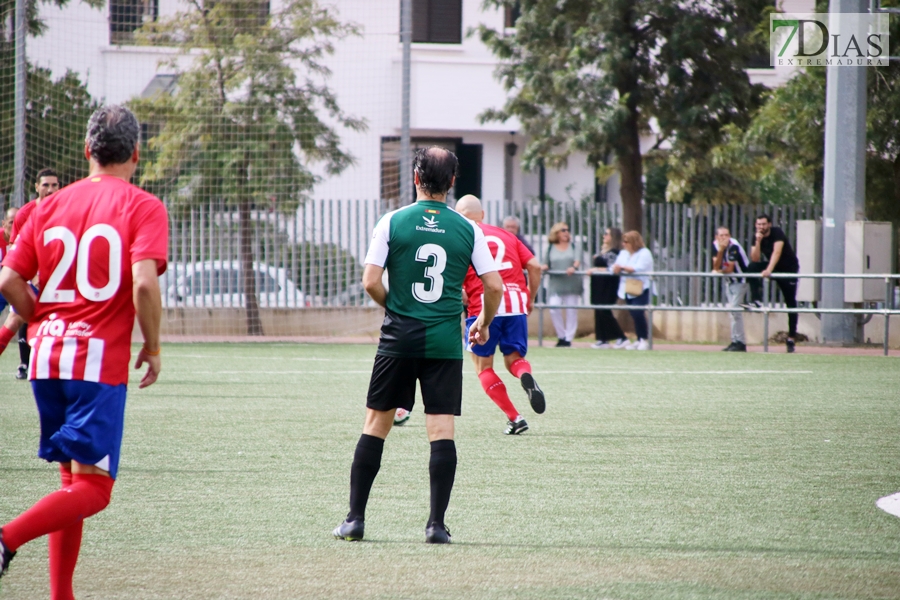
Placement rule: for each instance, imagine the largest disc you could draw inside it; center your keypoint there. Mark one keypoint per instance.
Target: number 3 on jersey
(73, 249)
(433, 273)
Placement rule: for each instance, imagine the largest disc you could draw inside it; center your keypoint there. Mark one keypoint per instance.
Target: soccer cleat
(641, 345)
(790, 346)
(535, 395)
(437, 533)
(6, 555)
(622, 344)
(516, 427)
(22, 372)
(599, 344)
(351, 531)
(401, 416)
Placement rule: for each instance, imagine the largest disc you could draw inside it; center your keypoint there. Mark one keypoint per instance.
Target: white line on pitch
(630, 372)
(890, 504)
(368, 372)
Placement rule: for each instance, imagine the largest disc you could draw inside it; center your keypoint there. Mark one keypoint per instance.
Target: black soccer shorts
(393, 384)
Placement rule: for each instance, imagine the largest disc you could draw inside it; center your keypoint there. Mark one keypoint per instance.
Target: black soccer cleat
(22, 372)
(516, 427)
(535, 395)
(437, 533)
(790, 346)
(6, 555)
(351, 531)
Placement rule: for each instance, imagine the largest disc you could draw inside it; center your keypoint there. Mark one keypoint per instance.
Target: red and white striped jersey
(84, 240)
(510, 256)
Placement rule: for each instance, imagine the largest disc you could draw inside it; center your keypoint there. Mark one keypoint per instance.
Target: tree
(57, 111)
(588, 76)
(243, 124)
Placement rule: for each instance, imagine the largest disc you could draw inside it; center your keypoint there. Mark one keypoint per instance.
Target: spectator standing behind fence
(772, 253)
(563, 288)
(633, 287)
(511, 224)
(729, 257)
(604, 290)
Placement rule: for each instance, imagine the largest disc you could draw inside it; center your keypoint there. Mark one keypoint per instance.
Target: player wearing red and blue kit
(100, 245)
(509, 329)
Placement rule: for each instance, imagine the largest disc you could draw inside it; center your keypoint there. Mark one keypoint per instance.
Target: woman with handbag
(604, 289)
(633, 287)
(563, 288)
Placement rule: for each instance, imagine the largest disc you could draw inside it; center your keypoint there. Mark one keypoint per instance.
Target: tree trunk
(631, 172)
(254, 325)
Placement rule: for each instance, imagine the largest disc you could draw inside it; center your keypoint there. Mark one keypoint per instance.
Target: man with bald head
(509, 330)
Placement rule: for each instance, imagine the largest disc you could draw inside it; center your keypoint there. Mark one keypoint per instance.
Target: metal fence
(769, 304)
(314, 257)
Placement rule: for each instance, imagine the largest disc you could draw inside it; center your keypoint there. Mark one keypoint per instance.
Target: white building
(452, 83)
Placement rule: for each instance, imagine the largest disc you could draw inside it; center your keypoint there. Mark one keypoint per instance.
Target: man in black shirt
(772, 253)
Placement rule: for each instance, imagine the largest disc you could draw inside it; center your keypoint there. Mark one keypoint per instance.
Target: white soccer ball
(401, 416)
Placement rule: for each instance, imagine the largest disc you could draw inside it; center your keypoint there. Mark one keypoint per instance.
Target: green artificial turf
(651, 475)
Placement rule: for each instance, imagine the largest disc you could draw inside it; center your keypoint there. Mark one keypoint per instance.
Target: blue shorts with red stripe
(81, 421)
(509, 332)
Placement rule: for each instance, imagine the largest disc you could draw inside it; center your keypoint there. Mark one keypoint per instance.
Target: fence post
(765, 314)
(541, 327)
(888, 304)
(650, 315)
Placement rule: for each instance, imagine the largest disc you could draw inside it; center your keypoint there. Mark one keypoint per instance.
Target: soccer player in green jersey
(426, 249)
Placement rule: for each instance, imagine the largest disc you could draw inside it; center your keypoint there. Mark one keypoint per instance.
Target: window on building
(437, 21)
(470, 162)
(126, 16)
(512, 14)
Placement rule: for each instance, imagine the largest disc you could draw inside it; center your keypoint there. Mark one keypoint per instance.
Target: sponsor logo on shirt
(57, 328)
(431, 224)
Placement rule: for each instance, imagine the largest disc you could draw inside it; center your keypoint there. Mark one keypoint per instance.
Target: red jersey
(20, 219)
(2, 245)
(511, 256)
(84, 240)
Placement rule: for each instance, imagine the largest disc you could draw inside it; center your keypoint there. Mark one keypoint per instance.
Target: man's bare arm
(717, 259)
(148, 309)
(777, 247)
(15, 289)
(533, 267)
(373, 285)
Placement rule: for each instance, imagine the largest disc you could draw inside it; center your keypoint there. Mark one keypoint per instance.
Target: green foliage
(589, 77)
(243, 124)
(56, 111)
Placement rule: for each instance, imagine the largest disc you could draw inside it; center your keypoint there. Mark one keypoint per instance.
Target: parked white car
(216, 284)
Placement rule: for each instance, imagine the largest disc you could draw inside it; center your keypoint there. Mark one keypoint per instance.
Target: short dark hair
(764, 216)
(436, 168)
(46, 172)
(112, 134)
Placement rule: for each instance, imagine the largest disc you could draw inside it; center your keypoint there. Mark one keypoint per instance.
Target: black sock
(366, 462)
(24, 348)
(442, 468)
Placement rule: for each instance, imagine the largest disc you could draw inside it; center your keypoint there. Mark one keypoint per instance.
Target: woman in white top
(633, 260)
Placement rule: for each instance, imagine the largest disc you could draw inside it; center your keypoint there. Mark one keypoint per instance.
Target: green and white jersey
(426, 248)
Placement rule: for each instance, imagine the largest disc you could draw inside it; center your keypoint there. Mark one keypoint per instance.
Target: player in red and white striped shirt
(509, 330)
(99, 245)
(47, 183)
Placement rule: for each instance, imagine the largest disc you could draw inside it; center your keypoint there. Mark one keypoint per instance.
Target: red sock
(6, 335)
(496, 390)
(86, 496)
(520, 366)
(64, 546)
